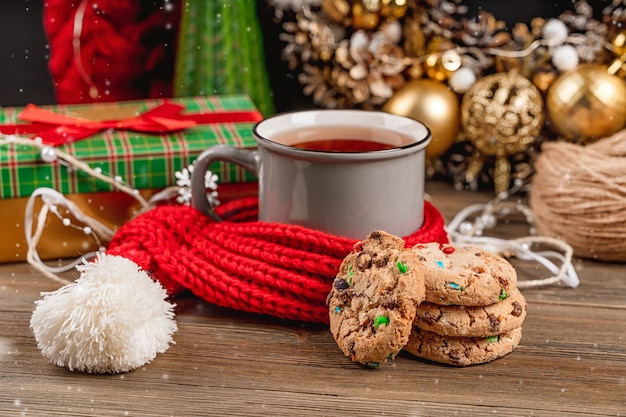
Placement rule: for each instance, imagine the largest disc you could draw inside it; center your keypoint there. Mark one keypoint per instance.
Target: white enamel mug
(348, 193)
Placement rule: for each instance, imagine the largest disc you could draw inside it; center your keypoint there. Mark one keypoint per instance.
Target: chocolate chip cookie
(464, 275)
(456, 320)
(373, 300)
(461, 351)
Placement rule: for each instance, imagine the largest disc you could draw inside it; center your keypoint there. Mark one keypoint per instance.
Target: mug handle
(245, 158)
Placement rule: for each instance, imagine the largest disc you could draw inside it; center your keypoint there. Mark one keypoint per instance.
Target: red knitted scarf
(244, 264)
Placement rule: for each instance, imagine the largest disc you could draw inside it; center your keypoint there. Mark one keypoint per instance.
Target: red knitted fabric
(241, 263)
(126, 47)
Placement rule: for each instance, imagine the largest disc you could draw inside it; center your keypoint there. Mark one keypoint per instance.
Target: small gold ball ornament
(587, 103)
(394, 9)
(501, 115)
(619, 43)
(362, 18)
(432, 103)
(544, 77)
(439, 66)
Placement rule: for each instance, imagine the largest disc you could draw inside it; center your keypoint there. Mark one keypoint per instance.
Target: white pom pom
(565, 58)
(554, 32)
(114, 318)
(462, 80)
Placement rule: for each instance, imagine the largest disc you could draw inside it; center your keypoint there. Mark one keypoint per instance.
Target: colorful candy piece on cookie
(373, 300)
(462, 351)
(465, 275)
(458, 320)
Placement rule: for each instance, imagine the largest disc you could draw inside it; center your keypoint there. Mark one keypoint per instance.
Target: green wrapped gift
(220, 51)
(119, 141)
(143, 143)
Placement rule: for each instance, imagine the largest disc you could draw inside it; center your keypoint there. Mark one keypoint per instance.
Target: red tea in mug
(342, 145)
(343, 139)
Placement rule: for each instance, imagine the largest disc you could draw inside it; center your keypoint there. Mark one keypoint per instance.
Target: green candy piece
(379, 321)
(503, 295)
(492, 339)
(349, 275)
(402, 267)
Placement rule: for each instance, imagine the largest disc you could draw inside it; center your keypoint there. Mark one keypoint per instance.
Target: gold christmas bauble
(432, 103)
(587, 103)
(501, 115)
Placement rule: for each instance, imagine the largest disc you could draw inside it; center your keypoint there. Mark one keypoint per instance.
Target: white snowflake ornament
(183, 181)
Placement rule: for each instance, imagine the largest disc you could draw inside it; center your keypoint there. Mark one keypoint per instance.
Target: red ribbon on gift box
(57, 129)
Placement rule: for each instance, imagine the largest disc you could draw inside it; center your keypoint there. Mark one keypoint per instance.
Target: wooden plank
(571, 360)
(266, 358)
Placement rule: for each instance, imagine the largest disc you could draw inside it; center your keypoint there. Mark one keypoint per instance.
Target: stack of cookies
(455, 305)
(473, 311)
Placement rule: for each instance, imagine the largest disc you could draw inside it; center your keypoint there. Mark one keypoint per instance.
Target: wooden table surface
(571, 361)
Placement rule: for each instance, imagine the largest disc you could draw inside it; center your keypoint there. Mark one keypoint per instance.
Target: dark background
(24, 76)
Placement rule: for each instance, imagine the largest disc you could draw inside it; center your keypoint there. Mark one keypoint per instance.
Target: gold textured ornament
(432, 103)
(587, 103)
(501, 115)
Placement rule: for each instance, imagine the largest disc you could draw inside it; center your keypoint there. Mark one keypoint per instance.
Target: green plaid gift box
(141, 160)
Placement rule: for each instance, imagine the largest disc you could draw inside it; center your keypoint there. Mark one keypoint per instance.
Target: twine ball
(578, 195)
